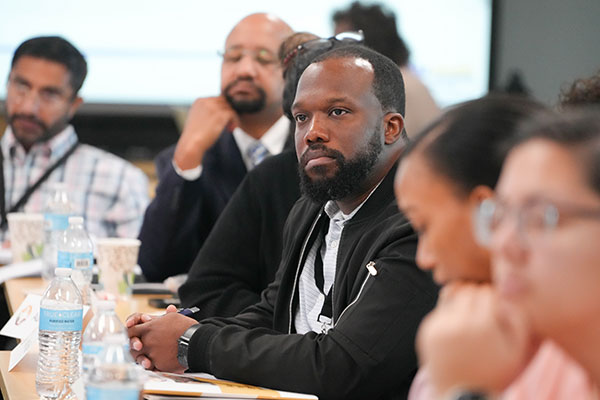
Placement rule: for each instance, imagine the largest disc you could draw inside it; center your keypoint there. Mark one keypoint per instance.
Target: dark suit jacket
(182, 213)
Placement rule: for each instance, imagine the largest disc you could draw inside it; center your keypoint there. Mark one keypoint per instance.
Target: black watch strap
(183, 344)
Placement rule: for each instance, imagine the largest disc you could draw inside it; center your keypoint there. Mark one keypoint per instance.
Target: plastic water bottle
(105, 323)
(115, 376)
(61, 315)
(57, 211)
(76, 251)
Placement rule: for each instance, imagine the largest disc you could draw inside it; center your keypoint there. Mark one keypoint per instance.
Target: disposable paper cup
(116, 259)
(26, 235)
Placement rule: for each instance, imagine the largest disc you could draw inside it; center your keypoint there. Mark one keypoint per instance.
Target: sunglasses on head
(323, 44)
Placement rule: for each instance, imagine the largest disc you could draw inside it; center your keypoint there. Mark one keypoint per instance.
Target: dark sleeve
(243, 251)
(169, 233)
(225, 276)
(369, 354)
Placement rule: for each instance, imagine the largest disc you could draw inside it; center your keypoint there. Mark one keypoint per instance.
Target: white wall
(552, 42)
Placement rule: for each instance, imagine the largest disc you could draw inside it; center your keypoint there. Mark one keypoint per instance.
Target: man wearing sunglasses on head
(222, 282)
(223, 138)
(340, 317)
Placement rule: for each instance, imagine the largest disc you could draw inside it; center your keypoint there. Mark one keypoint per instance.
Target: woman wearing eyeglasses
(448, 170)
(542, 229)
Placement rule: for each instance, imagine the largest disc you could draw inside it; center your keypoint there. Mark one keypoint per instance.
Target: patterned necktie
(257, 152)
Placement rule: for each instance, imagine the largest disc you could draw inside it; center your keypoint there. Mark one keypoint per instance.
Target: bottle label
(61, 320)
(101, 393)
(92, 349)
(57, 222)
(81, 261)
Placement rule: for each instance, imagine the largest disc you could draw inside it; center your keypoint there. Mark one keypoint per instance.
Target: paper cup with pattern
(117, 258)
(26, 236)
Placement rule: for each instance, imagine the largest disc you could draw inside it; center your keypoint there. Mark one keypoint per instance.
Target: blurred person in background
(223, 138)
(40, 147)
(582, 91)
(381, 34)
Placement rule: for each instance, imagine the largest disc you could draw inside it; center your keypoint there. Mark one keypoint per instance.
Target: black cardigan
(242, 253)
(369, 353)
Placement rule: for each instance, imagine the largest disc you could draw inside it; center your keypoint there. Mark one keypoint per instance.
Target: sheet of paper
(204, 385)
(24, 325)
(21, 350)
(25, 320)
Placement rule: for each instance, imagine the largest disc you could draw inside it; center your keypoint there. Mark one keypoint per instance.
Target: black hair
(577, 129)
(379, 27)
(57, 49)
(388, 85)
(298, 64)
(468, 143)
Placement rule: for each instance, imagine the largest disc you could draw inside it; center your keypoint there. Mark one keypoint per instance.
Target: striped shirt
(311, 299)
(110, 193)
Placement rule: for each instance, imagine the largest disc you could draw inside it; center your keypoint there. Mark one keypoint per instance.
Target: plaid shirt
(110, 193)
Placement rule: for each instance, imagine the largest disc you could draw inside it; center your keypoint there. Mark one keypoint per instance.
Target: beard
(246, 106)
(43, 134)
(350, 176)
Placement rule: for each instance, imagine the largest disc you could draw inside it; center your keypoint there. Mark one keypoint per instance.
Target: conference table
(20, 382)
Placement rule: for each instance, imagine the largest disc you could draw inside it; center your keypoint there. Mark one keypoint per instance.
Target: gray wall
(551, 42)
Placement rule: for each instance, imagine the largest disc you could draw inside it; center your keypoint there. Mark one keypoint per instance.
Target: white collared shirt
(311, 298)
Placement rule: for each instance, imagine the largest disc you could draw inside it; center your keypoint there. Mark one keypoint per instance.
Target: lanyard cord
(31, 189)
(319, 275)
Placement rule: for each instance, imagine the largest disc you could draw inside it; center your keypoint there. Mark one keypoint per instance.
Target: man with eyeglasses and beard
(340, 318)
(41, 148)
(223, 138)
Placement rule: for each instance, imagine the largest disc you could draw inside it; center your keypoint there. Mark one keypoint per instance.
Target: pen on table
(188, 312)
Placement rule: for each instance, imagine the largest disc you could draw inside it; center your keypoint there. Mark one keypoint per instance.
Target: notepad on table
(207, 386)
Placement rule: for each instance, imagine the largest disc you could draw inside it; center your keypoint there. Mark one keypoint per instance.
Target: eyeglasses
(261, 56)
(323, 44)
(47, 97)
(532, 219)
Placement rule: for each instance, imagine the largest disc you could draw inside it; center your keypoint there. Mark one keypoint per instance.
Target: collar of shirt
(53, 149)
(337, 216)
(273, 139)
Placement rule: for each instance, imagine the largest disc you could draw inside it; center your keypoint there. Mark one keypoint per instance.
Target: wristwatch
(183, 344)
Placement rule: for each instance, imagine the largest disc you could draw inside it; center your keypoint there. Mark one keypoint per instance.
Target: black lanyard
(31, 189)
(327, 310)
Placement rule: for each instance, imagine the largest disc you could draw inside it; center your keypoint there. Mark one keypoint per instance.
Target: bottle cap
(63, 271)
(106, 305)
(76, 220)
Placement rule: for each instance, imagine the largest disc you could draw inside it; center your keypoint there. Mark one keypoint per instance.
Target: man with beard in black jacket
(339, 320)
